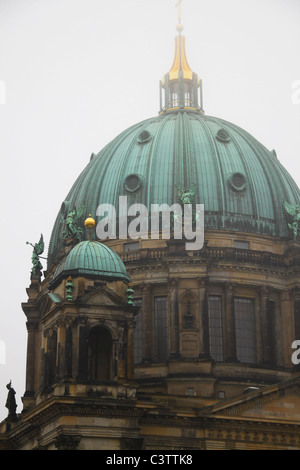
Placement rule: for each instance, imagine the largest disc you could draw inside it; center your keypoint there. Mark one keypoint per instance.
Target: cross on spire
(178, 5)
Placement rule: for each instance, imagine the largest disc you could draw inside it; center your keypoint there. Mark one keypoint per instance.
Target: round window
(144, 137)
(133, 183)
(223, 135)
(237, 182)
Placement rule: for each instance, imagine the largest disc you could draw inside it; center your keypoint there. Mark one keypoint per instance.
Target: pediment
(103, 296)
(279, 402)
(282, 408)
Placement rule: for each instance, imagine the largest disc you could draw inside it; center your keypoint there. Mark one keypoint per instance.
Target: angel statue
(38, 249)
(294, 211)
(72, 229)
(186, 196)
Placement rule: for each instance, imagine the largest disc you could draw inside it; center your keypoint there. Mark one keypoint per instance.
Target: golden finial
(179, 26)
(89, 222)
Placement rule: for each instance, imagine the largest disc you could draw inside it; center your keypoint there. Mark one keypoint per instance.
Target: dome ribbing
(91, 259)
(242, 185)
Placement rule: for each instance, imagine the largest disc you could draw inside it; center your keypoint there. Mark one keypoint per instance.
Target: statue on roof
(38, 249)
(72, 228)
(186, 195)
(294, 211)
(11, 402)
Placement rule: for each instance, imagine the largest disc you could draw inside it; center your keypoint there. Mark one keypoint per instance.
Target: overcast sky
(76, 73)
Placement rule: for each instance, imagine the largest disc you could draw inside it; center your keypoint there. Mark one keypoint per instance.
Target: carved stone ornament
(67, 442)
(294, 211)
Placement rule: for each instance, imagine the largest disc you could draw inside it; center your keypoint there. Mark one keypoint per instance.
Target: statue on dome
(72, 228)
(38, 249)
(294, 211)
(186, 196)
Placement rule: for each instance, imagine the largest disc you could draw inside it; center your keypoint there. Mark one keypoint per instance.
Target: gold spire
(181, 85)
(180, 63)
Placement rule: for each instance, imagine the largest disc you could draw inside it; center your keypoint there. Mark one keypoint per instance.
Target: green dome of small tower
(91, 259)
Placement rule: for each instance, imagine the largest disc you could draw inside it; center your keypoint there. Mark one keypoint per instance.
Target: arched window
(100, 354)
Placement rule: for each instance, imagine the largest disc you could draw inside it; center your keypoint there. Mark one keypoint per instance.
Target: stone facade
(186, 395)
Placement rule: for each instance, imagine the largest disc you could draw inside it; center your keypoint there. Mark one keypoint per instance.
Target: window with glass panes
(161, 328)
(215, 327)
(245, 329)
(137, 336)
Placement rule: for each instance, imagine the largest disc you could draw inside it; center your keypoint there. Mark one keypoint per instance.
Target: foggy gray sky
(79, 72)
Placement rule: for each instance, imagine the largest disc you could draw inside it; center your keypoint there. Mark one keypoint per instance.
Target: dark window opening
(100, 354)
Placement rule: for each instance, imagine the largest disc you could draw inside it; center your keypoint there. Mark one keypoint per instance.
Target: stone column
(30, 365)
(69, 348)
(119, 352)
(82, 353)
(229, 327)
(61, 348)
(174, 319)
(147, 324)
(265, 333)
(117, 367)
(43, 375)
(130, 350)
(203, 317)
(287, 326)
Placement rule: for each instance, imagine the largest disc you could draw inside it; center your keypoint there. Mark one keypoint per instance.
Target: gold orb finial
(179, 28)
(89, 222)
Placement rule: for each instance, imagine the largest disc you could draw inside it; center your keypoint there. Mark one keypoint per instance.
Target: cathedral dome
(242, 184)
(92, 259)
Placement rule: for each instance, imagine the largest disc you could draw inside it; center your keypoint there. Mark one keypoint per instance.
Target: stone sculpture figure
(38, 249)
(185, 196)
(11, 402)
(72, 228)
(294, 211)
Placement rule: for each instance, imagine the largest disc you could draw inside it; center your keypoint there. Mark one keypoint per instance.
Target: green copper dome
(92, 259)
(242, 185)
